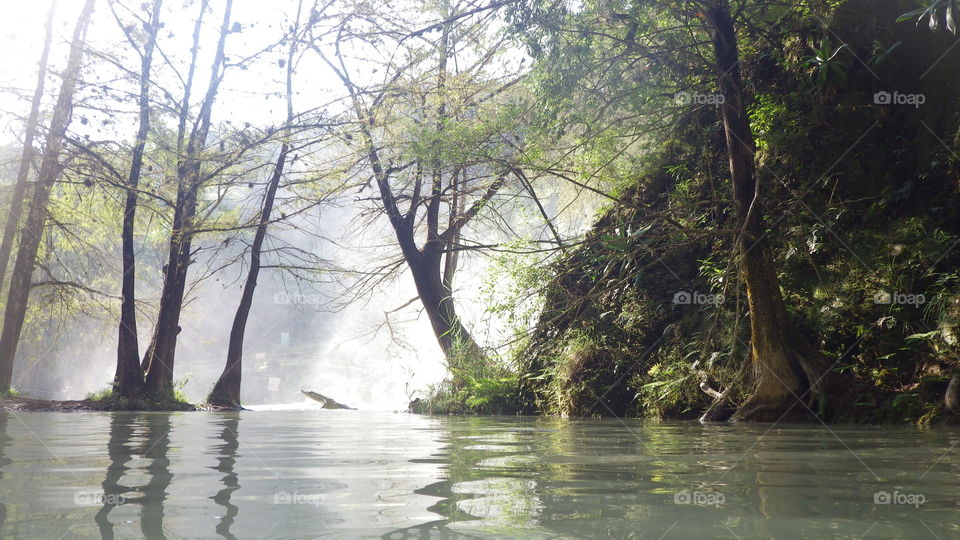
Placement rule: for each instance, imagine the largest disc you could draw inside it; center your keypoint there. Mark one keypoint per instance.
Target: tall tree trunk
(32, 230)
(785, 369)
(434, 265)
(227, 390)
(451, 259)
(435, 282)
(129, 378)
(183, 115)
(163, 350)
(20, 187)
(437, 299)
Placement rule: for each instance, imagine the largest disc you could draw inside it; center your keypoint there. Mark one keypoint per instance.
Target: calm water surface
(347, 474)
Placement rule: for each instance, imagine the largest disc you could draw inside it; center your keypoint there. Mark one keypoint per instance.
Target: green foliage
(839, 239)
(881, 53)
(936, 12)
(768, 120)
(496, 393)
(491, 393)
(583, 375)
(101, 395)
(666, 389)
(107, 399)
(826, 65)
(479, 384)
(513, 286)
(857, 205)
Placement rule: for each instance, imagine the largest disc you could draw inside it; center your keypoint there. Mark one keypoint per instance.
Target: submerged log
(326, 402)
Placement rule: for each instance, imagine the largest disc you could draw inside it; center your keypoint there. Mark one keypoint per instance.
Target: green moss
(498, 395)
(480, 384)
(141, 401)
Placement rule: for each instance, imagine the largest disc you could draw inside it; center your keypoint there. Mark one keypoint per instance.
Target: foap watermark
(97, 498)
(887, 298)
(296, 497)
(699, 498)
(697, 98)
(299, 299)
(912, 499)
(684, 298)
(896, 98)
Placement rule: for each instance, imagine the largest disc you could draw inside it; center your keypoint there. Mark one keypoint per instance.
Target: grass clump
(107, 399)
(479, 385)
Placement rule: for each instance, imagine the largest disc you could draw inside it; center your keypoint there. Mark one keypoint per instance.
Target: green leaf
(924, 336)
(913, 14)
(614, 243)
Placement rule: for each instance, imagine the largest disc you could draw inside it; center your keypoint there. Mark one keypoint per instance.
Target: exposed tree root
(770, 400)
(723, 406)
(800, 398)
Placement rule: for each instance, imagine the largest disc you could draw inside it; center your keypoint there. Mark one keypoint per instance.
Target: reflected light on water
(310, 473)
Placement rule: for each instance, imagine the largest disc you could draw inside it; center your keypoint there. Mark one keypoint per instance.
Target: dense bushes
(647, 316)
(864, 219)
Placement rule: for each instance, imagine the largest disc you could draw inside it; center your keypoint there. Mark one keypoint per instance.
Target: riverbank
(97, 405)
(937, 402)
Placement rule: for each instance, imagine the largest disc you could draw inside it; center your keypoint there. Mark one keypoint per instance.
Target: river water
(348, 474)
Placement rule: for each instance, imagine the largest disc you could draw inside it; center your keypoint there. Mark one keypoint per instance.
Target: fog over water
(302, 333)
(298, 336)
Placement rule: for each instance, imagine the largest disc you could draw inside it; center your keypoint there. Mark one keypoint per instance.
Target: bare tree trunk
(32, 230)
(227, 390)
(163, 350)
(437, 300)
(451, 259)
(785, 369)
(184, 114)
(435, 282)
(432, 266)
(129, 377)
(20, 188)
